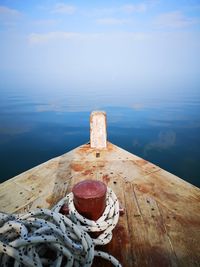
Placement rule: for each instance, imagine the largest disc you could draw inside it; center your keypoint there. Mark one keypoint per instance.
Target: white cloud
(175, 19)
(112, 21)
(139, 8)
(62, 8)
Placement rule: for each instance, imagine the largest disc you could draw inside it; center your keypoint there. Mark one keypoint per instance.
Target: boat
(160, 221)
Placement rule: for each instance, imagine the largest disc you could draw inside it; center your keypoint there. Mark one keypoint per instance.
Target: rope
(47, 238)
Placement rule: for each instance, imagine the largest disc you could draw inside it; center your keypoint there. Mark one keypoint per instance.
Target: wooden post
(98, 134)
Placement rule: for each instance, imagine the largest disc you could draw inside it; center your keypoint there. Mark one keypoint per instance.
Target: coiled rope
(48, 238)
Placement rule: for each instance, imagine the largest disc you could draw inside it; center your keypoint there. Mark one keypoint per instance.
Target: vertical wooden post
(98, 134)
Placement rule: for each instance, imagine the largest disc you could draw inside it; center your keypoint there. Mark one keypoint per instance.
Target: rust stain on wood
(51, 200)
(143, 188)
(106, 178)
(141, 162)
(77, 167)
(87, 172)
(122, 236)
(158, 256)
(84, 150)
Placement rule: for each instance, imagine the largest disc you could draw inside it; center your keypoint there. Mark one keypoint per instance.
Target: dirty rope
(47, 238)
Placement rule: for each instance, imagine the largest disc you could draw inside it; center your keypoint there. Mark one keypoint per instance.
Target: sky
(150, 45)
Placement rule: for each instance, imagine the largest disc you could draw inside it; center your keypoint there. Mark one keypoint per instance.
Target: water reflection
(166, 139)
(138, 106)
(35, 127)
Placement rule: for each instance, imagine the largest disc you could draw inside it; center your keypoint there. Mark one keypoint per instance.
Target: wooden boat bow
(161, 221)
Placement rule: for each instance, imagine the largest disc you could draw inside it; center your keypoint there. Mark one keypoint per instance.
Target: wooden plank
(149, 239)
(173, 193)
(184, 238)
(179, 207)
(121, 238)
(39, 187)
(13, 197)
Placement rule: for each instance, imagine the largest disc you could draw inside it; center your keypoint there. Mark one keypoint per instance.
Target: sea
(37, 125)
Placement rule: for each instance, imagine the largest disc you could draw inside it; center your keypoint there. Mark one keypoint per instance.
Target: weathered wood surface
(161, 224)
(98, 133)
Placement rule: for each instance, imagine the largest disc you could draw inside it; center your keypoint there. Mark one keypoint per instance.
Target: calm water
(36, 126)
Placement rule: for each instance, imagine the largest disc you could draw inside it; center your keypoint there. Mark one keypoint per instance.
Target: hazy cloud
(96, 12)
(175, 19)
(132, 8)
(45, 22)
(116, 10)
(112, 21)
(62, 8)
(9, 16)
(8, 12)
(41, 38)
(37, 38)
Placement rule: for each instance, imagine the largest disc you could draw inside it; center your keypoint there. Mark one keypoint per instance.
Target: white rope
(47, 238)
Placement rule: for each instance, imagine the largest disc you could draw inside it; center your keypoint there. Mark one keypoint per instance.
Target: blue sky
(100, 45)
